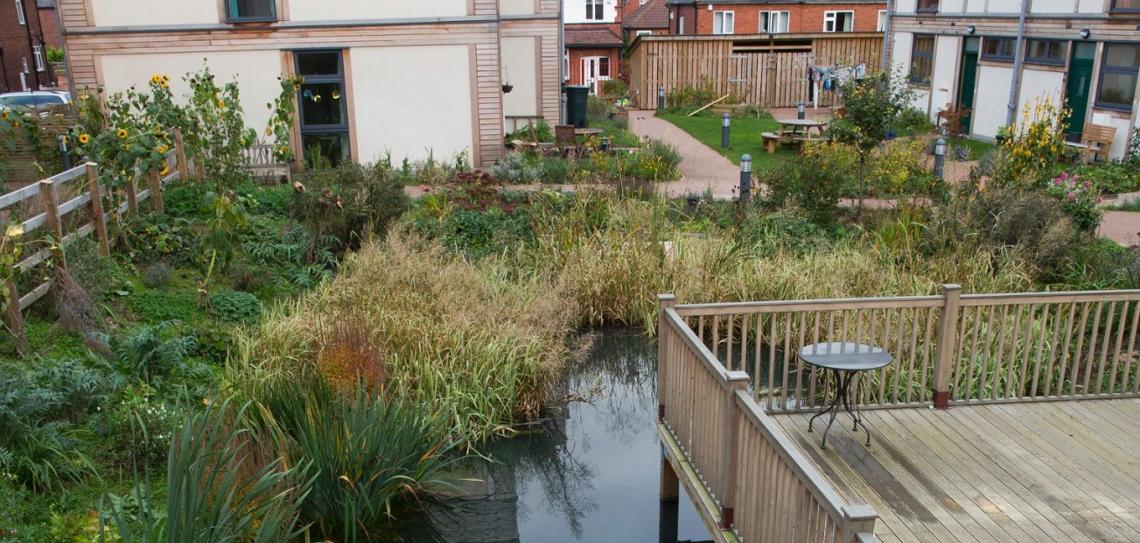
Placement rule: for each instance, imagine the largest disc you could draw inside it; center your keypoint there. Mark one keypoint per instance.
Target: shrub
(234, 306)
(76, 310)
(534, 132)
(690, 97)
(614, 88)
(1033, 147)
(138, 427)
(518, 168)
(598, 108)
(349, 204)
(1112, 177)
(815, 183)
(102, 278)
(783, 230)
(1078, 198)
(911, 122)
(155, 306)
(156, 275)
(151, 353)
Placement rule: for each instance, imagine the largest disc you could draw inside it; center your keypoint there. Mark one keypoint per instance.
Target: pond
(591, 472)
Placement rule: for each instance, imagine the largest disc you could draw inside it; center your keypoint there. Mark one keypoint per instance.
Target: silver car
(39, 101)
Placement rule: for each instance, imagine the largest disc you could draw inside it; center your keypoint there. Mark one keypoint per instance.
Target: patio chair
(1096, 138)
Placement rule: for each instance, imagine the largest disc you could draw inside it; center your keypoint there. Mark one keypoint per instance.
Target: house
(1080, 53)
(400, 79)
(775, 16)
(23, 48)
(593, 39)
(644, 18)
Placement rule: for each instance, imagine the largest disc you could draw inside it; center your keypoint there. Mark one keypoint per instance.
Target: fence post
(737, 380)
(858, 519)
(50, 194)
(947, 339)
(97, 217)
(664, 301)
(15, 319)
(132, 198)
(156, 190)
(180, 154)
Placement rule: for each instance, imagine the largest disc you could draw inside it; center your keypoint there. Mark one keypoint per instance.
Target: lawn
(744, 136)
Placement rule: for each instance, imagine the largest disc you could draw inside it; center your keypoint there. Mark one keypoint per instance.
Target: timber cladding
(768, 71)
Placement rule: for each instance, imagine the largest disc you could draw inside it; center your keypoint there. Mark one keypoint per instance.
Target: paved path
(702, 167)
(1122, 227)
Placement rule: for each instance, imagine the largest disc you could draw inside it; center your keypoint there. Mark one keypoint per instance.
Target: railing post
(947, 340)
(858, 520)
(15, 318)
(97, 217)
(180, 154)
(737, 380)
(132, 198)
(664, 302)
(50, 193)
(156, 190)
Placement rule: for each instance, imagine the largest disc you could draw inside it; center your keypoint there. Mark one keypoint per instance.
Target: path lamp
(661, 97)
(745, 178)
(801, 110)
(724, 126)
(939, 157)
(64, 153)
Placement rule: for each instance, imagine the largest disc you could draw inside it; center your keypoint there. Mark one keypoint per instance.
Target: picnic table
(795, 132)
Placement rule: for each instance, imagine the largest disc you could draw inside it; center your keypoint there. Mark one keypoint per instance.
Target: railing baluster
(1133, 349)
(1104, 349)
(1043, 331)
(928, 355)
(1065, 350)
(1048, 377)
(728, 353)
(759, 349)
(771, 358)
(1119, 345)
(1013, 343)
(800, 363)
(1092, 347)
(812, 378)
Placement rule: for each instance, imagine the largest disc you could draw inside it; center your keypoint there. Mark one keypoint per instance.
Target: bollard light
(745, 178)
(724, 128)
(661, 97)
(939, 157)
(64, 153)
(801, 110)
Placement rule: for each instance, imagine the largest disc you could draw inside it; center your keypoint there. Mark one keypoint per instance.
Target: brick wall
(804, 17)
(49, 19)
(685, 14)
(577, 54)
(14, 46)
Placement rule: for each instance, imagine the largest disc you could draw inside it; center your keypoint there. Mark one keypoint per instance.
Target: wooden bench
(772, 140)
(1096, 139)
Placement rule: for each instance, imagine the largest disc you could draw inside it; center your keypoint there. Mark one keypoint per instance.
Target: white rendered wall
(145, 12)
(344, 10)
(991, 99)
(1038, 86)
(947, 50)
(520, 69)
(516, 7)
(574, 11)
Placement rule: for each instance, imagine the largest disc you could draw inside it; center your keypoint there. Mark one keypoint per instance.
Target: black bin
(576, 98)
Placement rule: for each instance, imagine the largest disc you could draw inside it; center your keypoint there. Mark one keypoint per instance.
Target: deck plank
(1040, 472)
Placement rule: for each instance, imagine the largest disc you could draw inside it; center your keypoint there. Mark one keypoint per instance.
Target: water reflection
(590, 474)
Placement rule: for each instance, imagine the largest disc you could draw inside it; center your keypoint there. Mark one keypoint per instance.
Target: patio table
(845, 362)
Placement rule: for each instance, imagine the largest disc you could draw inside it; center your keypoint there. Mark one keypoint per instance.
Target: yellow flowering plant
(1033, 147)
(281, 118)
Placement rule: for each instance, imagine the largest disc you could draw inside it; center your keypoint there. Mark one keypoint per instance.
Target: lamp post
(745, 178)
(939, 157)
(661, 97)
(724, 127)
(801, 110)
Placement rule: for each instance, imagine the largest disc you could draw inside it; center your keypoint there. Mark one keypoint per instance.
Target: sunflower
(14, 231)
(4, 115)
(121, 133)
(165, 170)
(221, 103)
(162, 149)
(84, 139)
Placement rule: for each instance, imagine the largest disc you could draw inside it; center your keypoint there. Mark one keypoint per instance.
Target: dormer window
(247, 11)
(595, 10)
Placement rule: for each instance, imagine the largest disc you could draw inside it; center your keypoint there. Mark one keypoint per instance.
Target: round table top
(802, 122)
(845, 356)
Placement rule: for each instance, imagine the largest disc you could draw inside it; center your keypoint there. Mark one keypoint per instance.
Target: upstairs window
(724, 22)
(251, 10)
(775, 22)
(922, 60)
(20, 12)
(595, 10)
(927, 6)
(1045, 52)
(1000, 49)
(838, 21)
(1118, 73)
(1126, 6)
(38, 55)
(881, 21)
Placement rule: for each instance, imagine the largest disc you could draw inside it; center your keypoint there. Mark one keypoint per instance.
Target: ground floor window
(1118, 74)
(922, 60)
(1045, 52)
(839, 21)
(323, 106)
(724, 22)
(775, 22)
(998, 49)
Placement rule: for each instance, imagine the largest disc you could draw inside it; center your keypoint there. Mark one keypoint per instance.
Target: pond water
(592, 472)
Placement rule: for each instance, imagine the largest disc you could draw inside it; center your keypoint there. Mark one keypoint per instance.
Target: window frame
(881, 21)
(595, 10)
(344, 127)
(640, 33)
(1113, 9)
(724, 15)
(1106, 68)
(920, 8)
(833, 18)
(231, 7)
(604, 62)
(38, 57)
(914, 52)
(21, 15)
(1046, 61)
(24, 69)
(983, 55)
(767, 15)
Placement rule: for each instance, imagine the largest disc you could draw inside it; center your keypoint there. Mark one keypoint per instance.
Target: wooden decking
(1038, 472)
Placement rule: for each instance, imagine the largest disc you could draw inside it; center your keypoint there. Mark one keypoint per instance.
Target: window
(838, 21)
(1118, 74)
(998, 49)
(595, 10)
(644, 32)
(681, 25)
(566, 66)
(723, 22)
(1126, 6)
(20, 12)
(24, 65)
(881, 21)
(927, 6)
(774, 22)
(251, 10)
(323, 105)
(38, 55)
(922, 60)
(1045, 52)
(604, 67)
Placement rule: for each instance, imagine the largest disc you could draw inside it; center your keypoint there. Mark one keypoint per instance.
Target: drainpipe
(1015, 81)
(885, 63)
(561, 63)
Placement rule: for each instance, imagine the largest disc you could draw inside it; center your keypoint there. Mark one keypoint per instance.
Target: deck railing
(766, 489)
(948, 349)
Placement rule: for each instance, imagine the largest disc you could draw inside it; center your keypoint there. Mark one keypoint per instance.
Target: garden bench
(772, 140)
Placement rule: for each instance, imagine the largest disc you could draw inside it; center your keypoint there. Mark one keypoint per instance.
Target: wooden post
(15, 318)
(50, 193)
(97, 216)
(132, 198)
(858, 522)
(156, 190)
(664, 302)
(947, 340)
(180, 154)
(737, 381)
(670, 484)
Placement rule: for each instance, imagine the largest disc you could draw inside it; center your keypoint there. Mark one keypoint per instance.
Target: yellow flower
(121, 133)
(84, 139)
(221, 103)
(165, 170)
(4, 115)
(163, 148)
(16, 124)
(14, 231)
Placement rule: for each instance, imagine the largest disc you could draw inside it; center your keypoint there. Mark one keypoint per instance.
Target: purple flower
(1071, 196)
(1057, 181)
(1088, 185)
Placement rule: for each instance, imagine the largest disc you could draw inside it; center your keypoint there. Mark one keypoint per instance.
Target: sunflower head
(162, 149)
(221, 103)
(84, 139)
(121, 133)
(4, 115)
(165, 170)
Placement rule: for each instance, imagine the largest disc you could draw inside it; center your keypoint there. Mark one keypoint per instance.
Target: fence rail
(765, 488)
(948, 349)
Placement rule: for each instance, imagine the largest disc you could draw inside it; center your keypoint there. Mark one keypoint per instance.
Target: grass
(1125, 205)
(978, 148)
(744, 137)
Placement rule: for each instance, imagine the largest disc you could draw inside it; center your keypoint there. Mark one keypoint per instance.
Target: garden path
(703, 168)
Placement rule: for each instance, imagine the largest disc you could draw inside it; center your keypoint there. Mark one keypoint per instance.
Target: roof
(652, 14)
(592, 37)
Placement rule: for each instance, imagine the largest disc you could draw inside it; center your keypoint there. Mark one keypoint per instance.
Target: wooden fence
(765, 70)
(948, 349)
(68, 219)
(765, 488)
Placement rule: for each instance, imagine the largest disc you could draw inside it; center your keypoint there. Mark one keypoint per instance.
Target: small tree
(871, 107)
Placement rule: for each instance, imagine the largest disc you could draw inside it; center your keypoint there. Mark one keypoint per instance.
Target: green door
(1077, 88)
(968, 79)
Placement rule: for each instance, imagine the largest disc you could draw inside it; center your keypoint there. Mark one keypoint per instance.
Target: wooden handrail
(807, 305)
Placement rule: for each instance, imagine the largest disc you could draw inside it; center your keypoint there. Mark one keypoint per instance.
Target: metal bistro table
(845, 361)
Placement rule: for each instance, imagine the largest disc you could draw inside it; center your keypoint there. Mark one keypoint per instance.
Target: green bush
(156, 275)
(911, 122)
(783, 230)
(690, 97)
(614, 88)
(598, 108)
(535, 132)
(815, 183)
(349, 203)
(155, 306)
(1112, 177)
(236, 307)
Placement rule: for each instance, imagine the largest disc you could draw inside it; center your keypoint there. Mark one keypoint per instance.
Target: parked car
(38, 101)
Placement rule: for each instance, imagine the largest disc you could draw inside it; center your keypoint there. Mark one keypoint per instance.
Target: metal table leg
(842, 385)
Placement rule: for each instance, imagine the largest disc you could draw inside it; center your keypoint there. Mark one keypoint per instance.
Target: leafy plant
(1079, 199)
(282, 111)
(156, 275)
(156, 306)
(1033, 146)
(236, 307)
(348, 204)
(152, 352)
